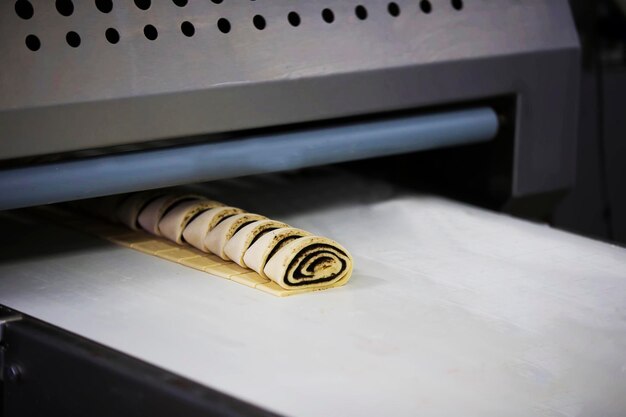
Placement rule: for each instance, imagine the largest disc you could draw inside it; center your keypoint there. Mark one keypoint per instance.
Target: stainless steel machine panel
(177, 71)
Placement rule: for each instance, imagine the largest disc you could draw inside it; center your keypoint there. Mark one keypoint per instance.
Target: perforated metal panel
(86, 74)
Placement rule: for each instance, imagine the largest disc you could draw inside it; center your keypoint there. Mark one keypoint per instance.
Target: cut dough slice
(152, 214)
(128, 211)
(217, 238)
(309, 262)
(174, 222)
(197, 229)
(246, 236)
(263, 248)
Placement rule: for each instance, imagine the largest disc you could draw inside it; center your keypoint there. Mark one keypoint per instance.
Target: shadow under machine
(108, 97)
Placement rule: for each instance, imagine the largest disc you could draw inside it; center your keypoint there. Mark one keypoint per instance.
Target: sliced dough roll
(174, 222)
(267, 245)
(197, 229)
(309, 262)
(128, 211)
(152, 213)
(217, 238)
(246, 236)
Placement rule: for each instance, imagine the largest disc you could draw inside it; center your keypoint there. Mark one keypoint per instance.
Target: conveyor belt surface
(451, 310)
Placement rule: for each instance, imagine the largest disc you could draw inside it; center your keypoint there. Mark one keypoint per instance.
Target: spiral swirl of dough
(310, 261)
(292, 258)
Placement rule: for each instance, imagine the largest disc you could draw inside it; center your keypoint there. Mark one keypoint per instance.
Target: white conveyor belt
(451, 310)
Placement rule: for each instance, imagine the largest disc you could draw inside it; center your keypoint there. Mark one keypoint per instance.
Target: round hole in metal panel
(217, 1)
(259, 22)
(223, 25)
(426, 6)
(105, 6)
(457, 4)
(33, 43)
(143, 4)
(150, 32)
(24, 9)
(328, 16)
(180, 3)
(64, 7)
(294, 19)
(73, 39)
(187, 28)
(393, 9)
(361, 12)
(112, 35)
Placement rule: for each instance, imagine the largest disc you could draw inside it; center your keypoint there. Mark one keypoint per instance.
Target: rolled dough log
(246, 236)
(291, 258)
(129, 209)
(152, 213)
(217, 238)
(176, 220)
(267, 245)
(197, 229)
(310, 262)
